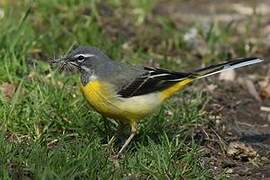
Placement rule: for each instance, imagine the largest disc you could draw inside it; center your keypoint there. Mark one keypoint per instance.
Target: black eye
(80, 58)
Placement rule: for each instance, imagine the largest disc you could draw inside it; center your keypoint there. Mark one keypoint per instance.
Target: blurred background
(218, 127)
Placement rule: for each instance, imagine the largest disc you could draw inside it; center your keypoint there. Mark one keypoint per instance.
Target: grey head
(90, 62)
(93, 64)
(86, 58)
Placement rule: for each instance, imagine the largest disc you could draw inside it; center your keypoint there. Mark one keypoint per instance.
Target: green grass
(47, 129)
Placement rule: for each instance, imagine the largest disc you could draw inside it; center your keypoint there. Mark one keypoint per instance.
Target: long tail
(183, 79)
(232, 64)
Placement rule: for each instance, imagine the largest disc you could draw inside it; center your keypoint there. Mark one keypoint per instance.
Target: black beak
(74, 64)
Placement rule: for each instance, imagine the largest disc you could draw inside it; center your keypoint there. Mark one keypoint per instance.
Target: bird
(128, 93)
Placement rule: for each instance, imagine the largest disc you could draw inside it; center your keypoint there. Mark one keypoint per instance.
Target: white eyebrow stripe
(84, 55)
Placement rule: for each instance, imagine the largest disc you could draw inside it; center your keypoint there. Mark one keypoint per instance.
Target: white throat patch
(89, 71)
(92, 77)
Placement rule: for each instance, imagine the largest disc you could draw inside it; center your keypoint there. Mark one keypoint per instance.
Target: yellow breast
(104, 99)
(99, 95)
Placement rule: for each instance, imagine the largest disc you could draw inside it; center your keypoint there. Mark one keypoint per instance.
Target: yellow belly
(103, 99)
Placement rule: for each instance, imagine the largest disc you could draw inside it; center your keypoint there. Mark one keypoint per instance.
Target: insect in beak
(65, 64)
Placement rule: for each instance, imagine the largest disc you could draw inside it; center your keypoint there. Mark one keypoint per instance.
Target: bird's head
(83, 58)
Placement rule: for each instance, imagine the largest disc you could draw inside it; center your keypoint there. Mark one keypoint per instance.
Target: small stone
(229, 171)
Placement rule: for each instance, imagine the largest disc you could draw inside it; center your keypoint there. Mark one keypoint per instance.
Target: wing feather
(152, 80)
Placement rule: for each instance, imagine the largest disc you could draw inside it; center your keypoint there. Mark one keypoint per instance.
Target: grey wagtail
(128, 93)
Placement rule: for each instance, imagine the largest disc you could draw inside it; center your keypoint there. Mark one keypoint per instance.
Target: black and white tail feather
(229, 65)
(159, 79)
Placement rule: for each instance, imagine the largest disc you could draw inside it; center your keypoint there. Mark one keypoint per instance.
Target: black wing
(153, 80)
